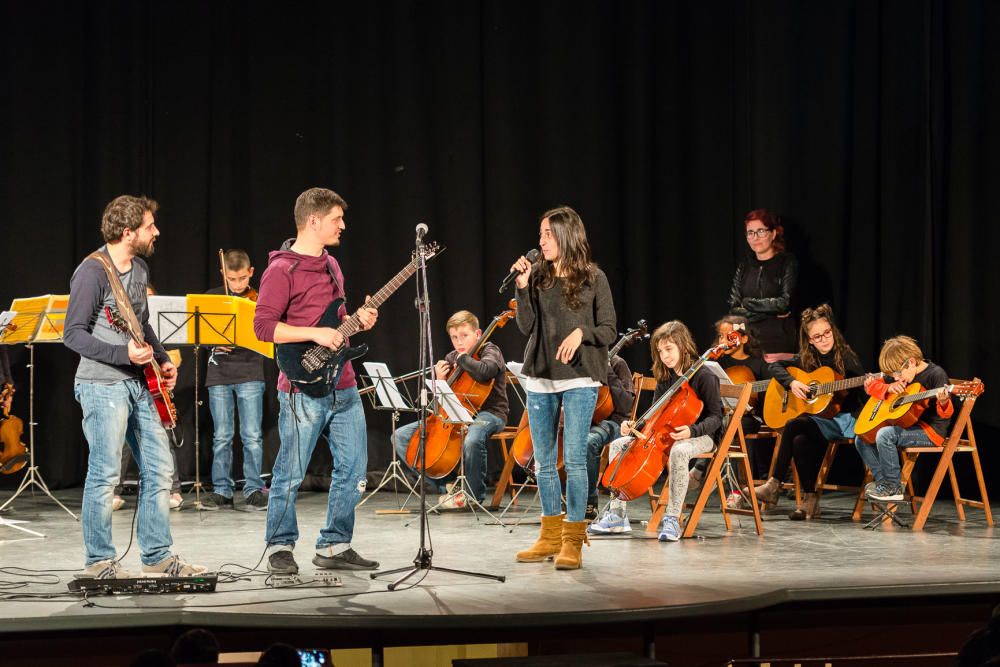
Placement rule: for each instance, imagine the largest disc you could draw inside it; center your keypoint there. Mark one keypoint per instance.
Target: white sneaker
(117, 503)
(610, 523)
(176, 500)
(456, 502)
(735, 501)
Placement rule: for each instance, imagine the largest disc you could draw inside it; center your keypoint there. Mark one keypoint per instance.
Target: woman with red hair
(764, 286)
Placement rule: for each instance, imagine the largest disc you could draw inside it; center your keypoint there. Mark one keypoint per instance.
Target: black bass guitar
(314, 369)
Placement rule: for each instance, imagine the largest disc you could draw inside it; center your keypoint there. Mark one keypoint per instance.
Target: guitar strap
(118, 290)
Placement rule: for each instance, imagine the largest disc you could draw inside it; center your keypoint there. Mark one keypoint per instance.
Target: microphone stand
(425, 552)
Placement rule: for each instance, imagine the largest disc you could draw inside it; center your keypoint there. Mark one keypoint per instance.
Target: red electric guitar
(154, 378)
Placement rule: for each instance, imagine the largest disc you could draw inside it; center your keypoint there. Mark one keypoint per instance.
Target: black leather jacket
(763, 289)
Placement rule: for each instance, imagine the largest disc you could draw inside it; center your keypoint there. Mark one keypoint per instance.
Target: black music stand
(175, 324)
(385, 397)
(423, 561)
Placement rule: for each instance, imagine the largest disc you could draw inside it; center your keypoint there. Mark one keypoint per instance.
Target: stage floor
(623, 578)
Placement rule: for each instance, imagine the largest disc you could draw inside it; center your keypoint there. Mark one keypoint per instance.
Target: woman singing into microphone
(564, 305)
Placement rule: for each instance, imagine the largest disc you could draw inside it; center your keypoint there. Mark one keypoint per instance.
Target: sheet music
(716, 369)
(449, 402)
(515, 368)
(168, 317)
(385, 386)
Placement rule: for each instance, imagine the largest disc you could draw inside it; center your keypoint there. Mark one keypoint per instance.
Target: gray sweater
(103, 350)
(545, 317)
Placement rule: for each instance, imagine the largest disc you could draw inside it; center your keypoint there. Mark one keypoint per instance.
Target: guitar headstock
(116, 321)
(429, 251)
(970, 389)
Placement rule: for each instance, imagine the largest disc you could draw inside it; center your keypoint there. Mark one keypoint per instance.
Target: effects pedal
(318, 580)
(204, 583)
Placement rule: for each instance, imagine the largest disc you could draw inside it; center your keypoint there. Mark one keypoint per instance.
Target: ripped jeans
(340, 418)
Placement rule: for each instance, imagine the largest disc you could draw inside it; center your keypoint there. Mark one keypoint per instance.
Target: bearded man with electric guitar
(123, 385)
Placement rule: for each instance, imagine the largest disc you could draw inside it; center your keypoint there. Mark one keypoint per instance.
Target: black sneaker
(213, 501)
(256, 501)
(345, 560)
(282, 562)
(591, 512)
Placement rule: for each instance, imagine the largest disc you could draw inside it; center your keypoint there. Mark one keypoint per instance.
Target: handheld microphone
(421, 230)
(531, 256)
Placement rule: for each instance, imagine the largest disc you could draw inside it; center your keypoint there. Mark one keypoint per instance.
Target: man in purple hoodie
(300, 281)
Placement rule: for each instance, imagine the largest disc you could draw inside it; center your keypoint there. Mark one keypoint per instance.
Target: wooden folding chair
(961, 439)
(824, 468)
(732, 446)
(505, 438)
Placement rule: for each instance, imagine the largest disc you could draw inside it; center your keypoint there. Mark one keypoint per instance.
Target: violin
(250, 292)
(13, 452)
(443, 446)
(605, 404)
(639, 466)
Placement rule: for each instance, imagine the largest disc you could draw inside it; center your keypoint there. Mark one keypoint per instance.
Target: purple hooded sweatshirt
(296, 289)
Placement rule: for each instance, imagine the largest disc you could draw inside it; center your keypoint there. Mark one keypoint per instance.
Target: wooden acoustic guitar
(743, 375)
(905, 409)
(826, 388)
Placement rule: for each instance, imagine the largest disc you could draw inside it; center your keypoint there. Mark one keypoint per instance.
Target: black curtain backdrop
(871, 126)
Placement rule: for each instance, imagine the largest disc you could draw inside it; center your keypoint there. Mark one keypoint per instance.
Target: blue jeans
(224, 400)
(340, 418)
(882, 458)
(473, 449)
(543, 419)
(599, 435)
(110, 411)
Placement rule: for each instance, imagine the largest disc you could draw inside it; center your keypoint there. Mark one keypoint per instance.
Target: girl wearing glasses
(805, 437)
(764, 285)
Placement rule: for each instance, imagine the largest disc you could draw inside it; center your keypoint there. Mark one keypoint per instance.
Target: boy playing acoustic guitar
(902, 358)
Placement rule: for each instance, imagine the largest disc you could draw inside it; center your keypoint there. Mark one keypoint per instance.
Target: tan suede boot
(574, 534)
(767, 492)
(548, 543)
(809, 510)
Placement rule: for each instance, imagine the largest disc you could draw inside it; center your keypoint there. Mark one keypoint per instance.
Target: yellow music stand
(38, 319)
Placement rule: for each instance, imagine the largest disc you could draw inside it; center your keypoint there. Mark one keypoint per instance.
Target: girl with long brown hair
(565, 308)
(805, 438)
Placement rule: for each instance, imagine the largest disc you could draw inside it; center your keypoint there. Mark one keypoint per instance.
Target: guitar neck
(921, 395)
(839, 385)
(352, 324)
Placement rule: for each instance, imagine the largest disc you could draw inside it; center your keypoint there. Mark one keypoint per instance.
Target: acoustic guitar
(905, 409)
(826, 388)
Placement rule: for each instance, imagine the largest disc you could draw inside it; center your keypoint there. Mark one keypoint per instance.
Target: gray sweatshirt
(547, 319)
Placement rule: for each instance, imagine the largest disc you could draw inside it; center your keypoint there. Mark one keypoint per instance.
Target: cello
(642, 462)
(13, 454)
(443, 446)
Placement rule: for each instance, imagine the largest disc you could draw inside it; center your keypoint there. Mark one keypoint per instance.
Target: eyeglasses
(757, 233)
(820, 337)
